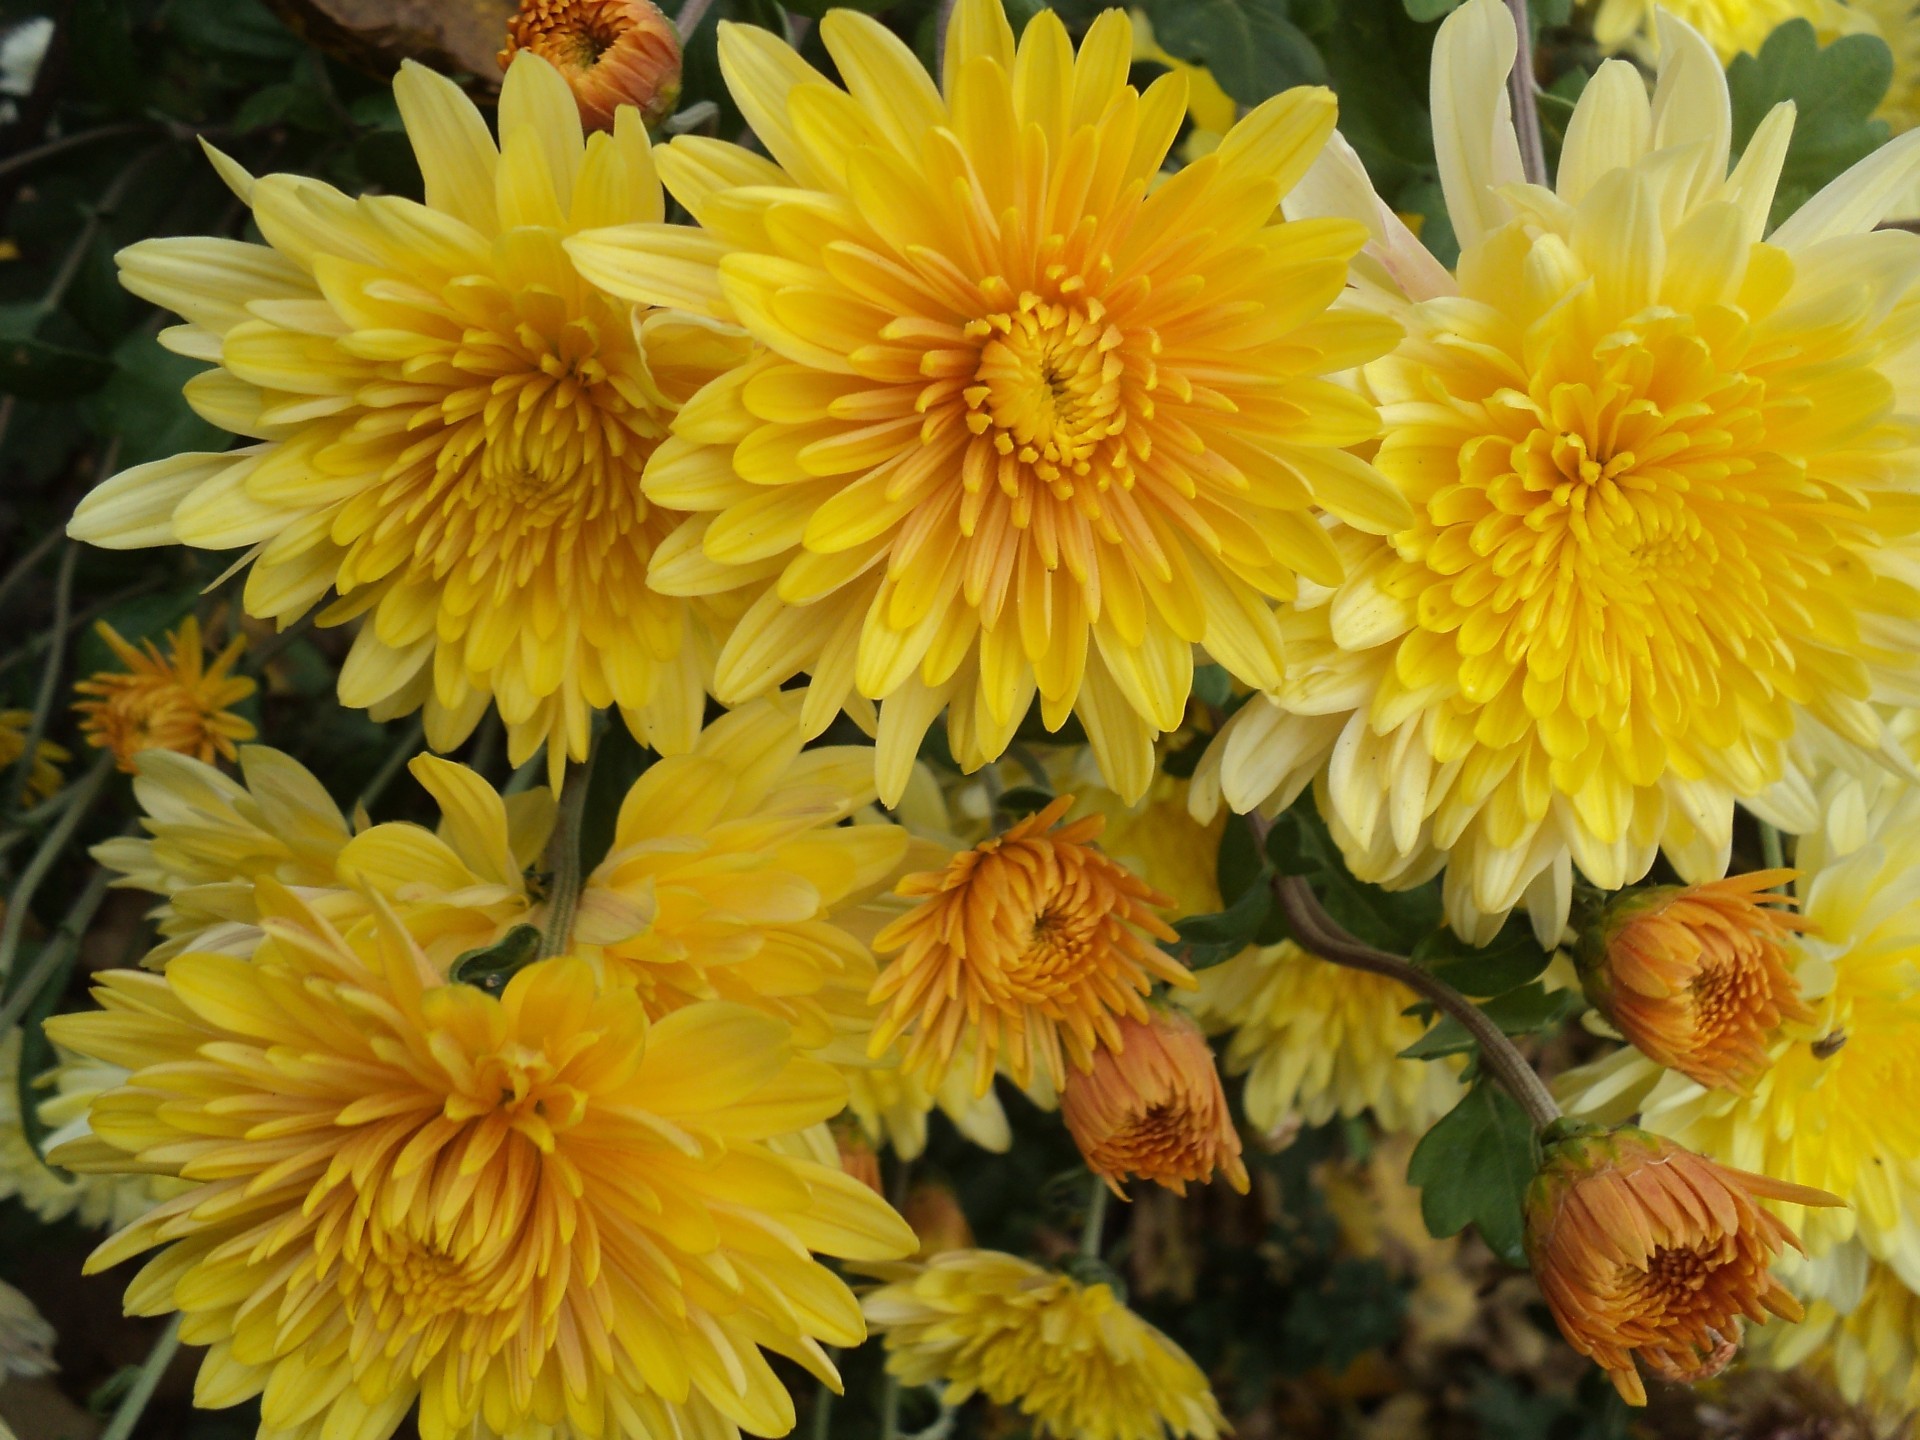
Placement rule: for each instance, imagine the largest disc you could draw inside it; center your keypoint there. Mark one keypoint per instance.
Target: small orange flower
(612, 53)
(1154, 1109)
(1697, 978)
(1641, 1246)
(1032, 940)
(44, 779)
(161, 703)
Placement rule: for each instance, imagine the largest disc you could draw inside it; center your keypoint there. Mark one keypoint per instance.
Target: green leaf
(1425, 10)
(1020, 800)
(1473, 1168)
(1836, 89)
(1512, 958)
(141, 404)
(1252, 47)
(1212, 939)
(1528, 1010)
(143, 617)
(1212, 685)
(36, 369)
(1395, 920)
(490, 967)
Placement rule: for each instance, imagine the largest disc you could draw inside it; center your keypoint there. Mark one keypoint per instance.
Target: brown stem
(1320, 934)
(1526, 109)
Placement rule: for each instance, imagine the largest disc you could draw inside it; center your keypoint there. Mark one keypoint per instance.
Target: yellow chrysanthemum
(1838, 1106)
(892, 1104)
(1210, 108)
(177, 702)
(1316, 1040)
(91, 1200)
(1071, 1357)
(531, 1214)
(1730, 26)
(1155, 836)
(1665, 479)
(1861, 1332)
(452, 424)
(45, 777)
(1023, 421)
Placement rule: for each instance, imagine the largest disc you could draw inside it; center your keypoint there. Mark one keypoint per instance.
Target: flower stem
(86, 789)
(22, 774)
(403, 750)
(1526, 109)
(55, 952)
(563, 859)
(25, 564)
(1773, 851)
(1320, 934)
(1096, 1221)
(134, 1402)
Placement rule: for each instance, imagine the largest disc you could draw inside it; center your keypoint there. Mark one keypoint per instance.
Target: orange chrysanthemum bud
(1154, 1109)
(858, 1157)
(1032, 941)
(934, 1212)
(1698, 977)
(612, 53)
(173, 702)
(1641, 1246)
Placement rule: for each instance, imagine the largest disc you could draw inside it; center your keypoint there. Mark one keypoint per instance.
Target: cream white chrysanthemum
(451, 423)
(1838, 1107)
(1663, 472)
(26, 1339)
(1071, 1357)
(1317, 1040)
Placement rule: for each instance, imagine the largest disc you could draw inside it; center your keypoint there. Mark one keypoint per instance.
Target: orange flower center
(1064, 945)
(1677, 1295)
(1049, 381)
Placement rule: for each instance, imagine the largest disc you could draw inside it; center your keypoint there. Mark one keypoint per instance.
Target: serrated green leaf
(1835, 89)
(1527, 1010)
(1252, 47)
(1473, 1168)
(1212, 939)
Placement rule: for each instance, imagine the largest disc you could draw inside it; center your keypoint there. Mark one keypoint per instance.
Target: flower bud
(1642, 1247)
(612, 53)
(1154, 1108)
(1698, 977)
(934, 1212)
(858, 1157)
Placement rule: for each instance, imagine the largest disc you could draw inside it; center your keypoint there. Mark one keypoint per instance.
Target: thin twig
(260, 656)
(55, 952)
(1526, 108)
(689, 18)
(87, 789)
(24, 566)
(1096, 1221)
(22, 774)
(27, 158)
(134, 1402)
(563, 859)
(81, 621)
(1321, 935)
(97, 216)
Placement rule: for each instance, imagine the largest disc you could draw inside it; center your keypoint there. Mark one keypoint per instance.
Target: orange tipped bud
(858, 1157)
(1697, 978)
(1027, 949)
(612, 53)
(1643, 1247)
(1154, 1108)
(934, 1212)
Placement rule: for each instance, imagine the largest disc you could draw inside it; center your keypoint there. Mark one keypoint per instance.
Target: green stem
(134, 1403)
(1321, 935)
(404, 749)
(55, 953)
(890, 1407)
(1096, 1222)
(21, 900)
(26, 158)
(563, 860)
(22, 774)
(822, 1425)
(260, 656)
(1773, 850)
(80, 622)
(25, 565)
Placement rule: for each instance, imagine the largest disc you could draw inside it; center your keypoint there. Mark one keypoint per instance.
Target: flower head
(1861, 1332)
(1644, 1248)
(1154, 1108)
(611, 53)
(891, 1105)
(177, 702)
(1029, 946)
(1023, 421)
(44, 778)
(1072, 1357)
(1317, 1040)
(1730, 26)
(1654, 461)
(1698, 978)
(26, 1339)
(533, 1210)
(450, 424)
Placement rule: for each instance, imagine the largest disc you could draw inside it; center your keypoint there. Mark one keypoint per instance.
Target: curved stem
(87, 788)
(22, 775)
(134, 1402)
(1773, 851)
(1096, 1221)
(1526, 109)
(1322, 935)
(563, 860)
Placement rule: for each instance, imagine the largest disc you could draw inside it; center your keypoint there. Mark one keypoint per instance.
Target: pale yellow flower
(1730, 26)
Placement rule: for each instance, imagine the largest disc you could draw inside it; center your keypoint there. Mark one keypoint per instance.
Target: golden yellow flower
(177, 702)
(1699, 977)
(1071, 1357)
(1660, 469)
(1154, 1108)
(45, 778)
(1024, 421)
(1730, 26)
(611, 52)
(1317, 1040)
(451, 424)
(1028, 948)
(1643, 1248)
(553, 1215)
(1861, 1333)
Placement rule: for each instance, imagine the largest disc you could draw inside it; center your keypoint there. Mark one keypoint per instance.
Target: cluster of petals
(178, 701)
